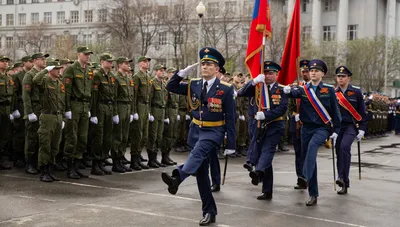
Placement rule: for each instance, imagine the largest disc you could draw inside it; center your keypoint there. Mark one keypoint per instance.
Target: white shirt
(209, 83)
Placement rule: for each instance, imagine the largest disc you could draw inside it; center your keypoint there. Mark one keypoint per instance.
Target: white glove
(334, 138)
(116, 119)
(32, 117)
(241, 117)
(286, 89)
(234, 93)
(62, 125)
(228, 151)
(371, 97)
(166, 120)
(297, 117)
(185, 72)
(68, 115)
(130, 118)
(259, 79)
(360, 135)
(16, 114)
(11, 117)
(178, 117)
(151, 118)
(187, 117)
(49, 68)
(136, 117)
(89, 114)
(260, 116)
(94, 120)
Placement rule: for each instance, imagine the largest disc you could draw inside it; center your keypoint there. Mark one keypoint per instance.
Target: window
(61, 17)
(34, 18)
(59, 40)
(352, 32)
(245, 35)
(178, 10)
(35, 1)
(178, 37)
(47, 18)
(74, 17)
(162, 38)
(21, 42)
(306, 33)
(47, 41)
(22, 18)
(148, 14)
(329, 33)
(88, 16)
(102, 15)
(9, 42)
(87, 39)
(102, 39)
(213, 8)
(10, 2)
(10, 20)
(74, 39)
(230, 7)
(305, 6)
(162, 12)
(329, 5)
(22, 1)
(248, 9)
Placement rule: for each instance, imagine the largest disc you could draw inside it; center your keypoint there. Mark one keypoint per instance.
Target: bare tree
(33, 39)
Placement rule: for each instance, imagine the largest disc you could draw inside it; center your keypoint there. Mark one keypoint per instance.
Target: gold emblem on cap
(315, 64)
(341, 69)
(206, 50)
(267, 68)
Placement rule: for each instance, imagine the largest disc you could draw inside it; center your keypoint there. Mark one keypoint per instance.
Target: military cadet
(19, 123)
(157, 102)
(103, 114)
(6, 106)
(124, 95)
(78, 81)
(17, 67)
(171, 129)
(32, 109)
(295, 126)
(321, 118)
(213, 108)
(353, 125)
(52, 93)
(183, 124)
(140, 125)
(272, 125)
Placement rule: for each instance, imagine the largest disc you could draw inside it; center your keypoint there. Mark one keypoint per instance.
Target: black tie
(204, 92)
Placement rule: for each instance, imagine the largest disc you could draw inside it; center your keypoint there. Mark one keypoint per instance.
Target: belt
(208, 123)
(276, 119)
(51, 112)
(107, 102)
(79, 99)
(157, 106)
(144, 102)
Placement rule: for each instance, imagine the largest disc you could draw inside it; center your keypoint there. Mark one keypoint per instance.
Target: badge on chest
(214, 105)
(276, 99)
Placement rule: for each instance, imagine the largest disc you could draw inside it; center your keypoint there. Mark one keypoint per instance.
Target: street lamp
(200, 9)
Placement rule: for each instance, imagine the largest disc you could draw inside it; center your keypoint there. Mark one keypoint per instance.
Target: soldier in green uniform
(171, 129)
(32, 109)
(52, 93)
(240, 118)
(140, 125)
(78, 81)
(157, 102)
(124, 94)
(6, 106)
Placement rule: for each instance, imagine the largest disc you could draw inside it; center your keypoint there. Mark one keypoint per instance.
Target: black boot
(158, 163)
(95, 169)
(165, 159)
(107, 163)
(29, 167)
(126, 168)
(135, 163)
(142, 159)
(4, 166)
(124, 160)
(152, 163)
(282, 146)
(44, 176)
(117, 167)
(50, 172)
(71, 171)
(102, 166)
(77, 163)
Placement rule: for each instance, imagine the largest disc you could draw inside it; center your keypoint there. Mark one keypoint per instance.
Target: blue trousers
(299, 154)
(312, 138)
(198, 163)
(215, 168)
(343, 151)
(252, 152)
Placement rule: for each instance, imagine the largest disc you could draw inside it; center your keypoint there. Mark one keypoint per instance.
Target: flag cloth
(291, 54)
(260, 26)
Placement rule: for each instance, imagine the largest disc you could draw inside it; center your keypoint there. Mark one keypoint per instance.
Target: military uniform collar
(209, 82)
(320, 85)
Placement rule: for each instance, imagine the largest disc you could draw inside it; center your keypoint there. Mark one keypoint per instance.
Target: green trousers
(170, 130)
(120, 133)
(5, 123)
(156, 129)
(31, 136)
(102, 132)
(49, 138)
(139, 129)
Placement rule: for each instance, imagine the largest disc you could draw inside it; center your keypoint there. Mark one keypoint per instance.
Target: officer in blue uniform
(295, 125)
(214, 114)
(315, 130)
(272, 127)
(350, 128)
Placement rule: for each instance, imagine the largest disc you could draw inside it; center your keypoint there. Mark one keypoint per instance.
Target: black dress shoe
(299, 187)
(265, 196)
(207, 220)
(302, 183)
(215, 188)
(248, 166)
(312, 201)
(340, 182)
(255, 177)
(172, 182)
(342, 191)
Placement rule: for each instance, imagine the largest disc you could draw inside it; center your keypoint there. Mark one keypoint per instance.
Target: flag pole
(259, 86)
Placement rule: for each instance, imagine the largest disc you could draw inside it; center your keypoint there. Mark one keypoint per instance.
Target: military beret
(343, 70)
(171, 70)
(40, 55)
(158, 67)
(106, 57)
(85, 50)
(222, 70)
(143, 58)
(123, 59)
(318, 64)
(26, 58)
(208, 54)
(66, 61)
(3, 57)
(304, 64)
(270, 66)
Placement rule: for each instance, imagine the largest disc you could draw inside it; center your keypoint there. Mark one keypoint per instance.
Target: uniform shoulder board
(356, 87)
(225, 83)
(328, 85)
(195, 79)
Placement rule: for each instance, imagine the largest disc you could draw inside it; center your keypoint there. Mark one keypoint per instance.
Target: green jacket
(52, 92)
(142, 84)
(18, 79)
(7, 90)
(103, 91)
(158, 94)
(30, 93)
(124, 89)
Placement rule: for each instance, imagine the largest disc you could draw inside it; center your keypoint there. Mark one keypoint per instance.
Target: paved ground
(141, 199)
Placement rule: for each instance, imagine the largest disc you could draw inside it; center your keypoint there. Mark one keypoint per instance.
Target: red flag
(291, 54)
(259, 28)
